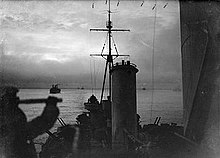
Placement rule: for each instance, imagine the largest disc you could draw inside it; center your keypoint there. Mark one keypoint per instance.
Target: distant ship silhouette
(54, 89)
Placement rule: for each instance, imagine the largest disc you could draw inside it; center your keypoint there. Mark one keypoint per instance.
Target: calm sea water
(166, 103)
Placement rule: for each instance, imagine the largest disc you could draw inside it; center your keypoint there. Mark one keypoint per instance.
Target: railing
(125, 63)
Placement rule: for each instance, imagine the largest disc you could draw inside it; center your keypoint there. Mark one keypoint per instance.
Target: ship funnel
(124, 108)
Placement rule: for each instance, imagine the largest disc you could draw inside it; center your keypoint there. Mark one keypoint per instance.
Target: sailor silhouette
(16, 134)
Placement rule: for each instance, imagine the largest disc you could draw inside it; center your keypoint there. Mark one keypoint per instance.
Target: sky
(46, 42)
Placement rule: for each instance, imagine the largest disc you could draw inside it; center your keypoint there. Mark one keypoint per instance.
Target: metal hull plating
(200, 38)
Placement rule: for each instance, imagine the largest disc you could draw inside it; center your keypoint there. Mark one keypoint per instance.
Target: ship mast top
(109, 60)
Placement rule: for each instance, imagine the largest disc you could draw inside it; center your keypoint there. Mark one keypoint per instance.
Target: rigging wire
(91, 74)
(115, 47)
(104, 47)
(94, 74)
(152, 70)
(103, 84)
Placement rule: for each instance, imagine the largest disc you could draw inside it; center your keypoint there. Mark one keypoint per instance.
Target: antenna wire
(153, 62)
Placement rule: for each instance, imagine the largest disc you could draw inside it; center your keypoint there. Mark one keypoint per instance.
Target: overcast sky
(45, 42)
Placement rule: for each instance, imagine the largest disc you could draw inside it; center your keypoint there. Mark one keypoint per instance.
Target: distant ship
(54, 89)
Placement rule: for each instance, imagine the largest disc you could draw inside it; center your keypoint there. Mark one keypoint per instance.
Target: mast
(109, 60)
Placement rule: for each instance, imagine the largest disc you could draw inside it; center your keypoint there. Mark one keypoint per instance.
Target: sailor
(16, 134)
(93, 99)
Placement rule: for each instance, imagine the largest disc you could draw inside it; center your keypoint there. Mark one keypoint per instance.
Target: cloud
(166, 61)
(51, 40)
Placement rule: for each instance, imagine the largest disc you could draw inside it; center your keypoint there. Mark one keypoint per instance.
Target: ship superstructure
(121, 100)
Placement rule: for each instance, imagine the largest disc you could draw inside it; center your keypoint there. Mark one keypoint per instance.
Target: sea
(166, 104)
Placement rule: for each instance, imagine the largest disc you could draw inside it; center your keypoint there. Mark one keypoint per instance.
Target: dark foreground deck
(170, 146)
